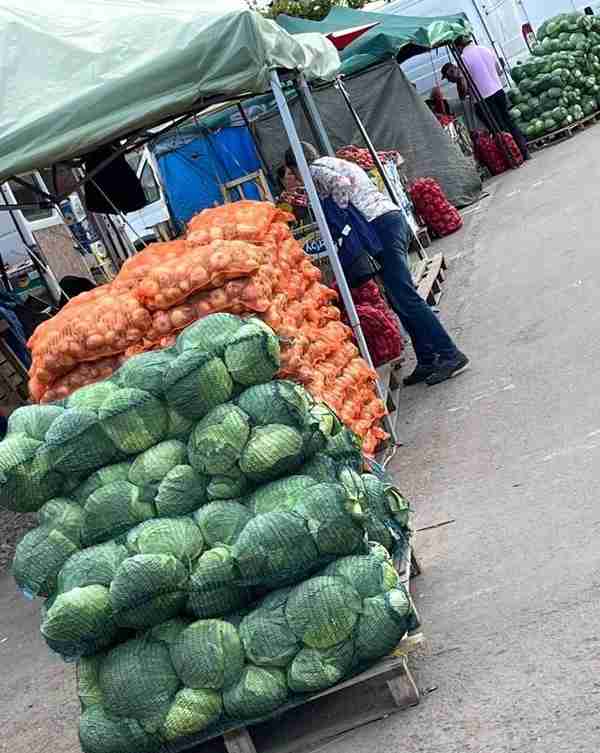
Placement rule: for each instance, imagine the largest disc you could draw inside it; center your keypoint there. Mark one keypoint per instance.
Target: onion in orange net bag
(100, 328)
(251, 220)
(199, 268)
(84, 373)
(240, 258)
(242, 296)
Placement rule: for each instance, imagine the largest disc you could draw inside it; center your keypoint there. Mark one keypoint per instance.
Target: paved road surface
(510, 452)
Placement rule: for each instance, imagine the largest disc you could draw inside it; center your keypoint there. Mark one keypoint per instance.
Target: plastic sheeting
(76, 75)
(395, 118)
(394, 36)
(193, 169)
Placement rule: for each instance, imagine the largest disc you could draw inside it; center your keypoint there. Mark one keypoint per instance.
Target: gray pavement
(510, 452)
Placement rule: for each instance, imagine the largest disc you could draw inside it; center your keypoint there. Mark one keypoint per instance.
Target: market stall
(110, 111)
(400, 38)
(180, 492)
(394, 114)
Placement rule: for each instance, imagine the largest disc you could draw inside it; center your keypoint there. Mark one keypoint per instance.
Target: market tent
(194, 165)
(395, 117)
(85, 74)
(394, 36)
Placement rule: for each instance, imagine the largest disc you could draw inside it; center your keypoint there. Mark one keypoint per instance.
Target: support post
(290, 127)
(366, 138)
(378, 164)
(314, 116)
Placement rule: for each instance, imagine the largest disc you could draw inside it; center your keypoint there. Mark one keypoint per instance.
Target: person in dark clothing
(438, 358)
(485, 71)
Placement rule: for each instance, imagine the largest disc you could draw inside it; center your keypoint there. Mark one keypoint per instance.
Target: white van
(152, 222)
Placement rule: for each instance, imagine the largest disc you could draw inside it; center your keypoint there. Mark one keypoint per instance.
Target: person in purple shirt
(485, 71)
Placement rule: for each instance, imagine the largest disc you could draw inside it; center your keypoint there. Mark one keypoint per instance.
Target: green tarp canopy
(82, 73)
(401, 37)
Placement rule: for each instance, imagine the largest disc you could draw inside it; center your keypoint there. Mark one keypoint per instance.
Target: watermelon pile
(209, 548)
(559, 84)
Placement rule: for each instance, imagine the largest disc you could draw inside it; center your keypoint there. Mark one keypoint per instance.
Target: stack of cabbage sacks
(560, 83)
(178, 493)
(184, 680)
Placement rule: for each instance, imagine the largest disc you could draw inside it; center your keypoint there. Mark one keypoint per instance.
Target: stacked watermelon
(559, 84)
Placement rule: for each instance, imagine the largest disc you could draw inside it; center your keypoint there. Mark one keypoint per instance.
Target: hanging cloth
(116, 184)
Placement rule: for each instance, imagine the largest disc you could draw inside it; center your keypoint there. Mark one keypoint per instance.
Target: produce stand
(289, 65)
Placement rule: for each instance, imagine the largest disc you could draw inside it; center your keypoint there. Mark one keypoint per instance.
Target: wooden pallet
(562, 134)
(299, 736)
(429, 277)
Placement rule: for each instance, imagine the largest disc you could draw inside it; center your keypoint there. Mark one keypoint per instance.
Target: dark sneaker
(419, 375)
(448, 369)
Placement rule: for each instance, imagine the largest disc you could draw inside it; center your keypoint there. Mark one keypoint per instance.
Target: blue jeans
(429, 338)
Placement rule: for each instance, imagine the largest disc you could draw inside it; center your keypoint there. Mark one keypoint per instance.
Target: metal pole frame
(481, 101)
(375, 157)
(311, 190)
(502, 60)
(313, 116)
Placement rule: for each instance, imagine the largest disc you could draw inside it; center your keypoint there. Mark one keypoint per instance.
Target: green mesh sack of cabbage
(204, 565)
(183, 681)
(268, 432)
(161, 569)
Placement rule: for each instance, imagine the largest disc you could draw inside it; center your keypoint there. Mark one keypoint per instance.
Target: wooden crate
(429, 278)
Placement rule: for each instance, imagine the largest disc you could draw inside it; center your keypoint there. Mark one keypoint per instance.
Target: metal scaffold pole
(330, 246)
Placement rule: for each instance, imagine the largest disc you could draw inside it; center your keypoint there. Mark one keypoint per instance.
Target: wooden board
(430, 285)
(13, 374)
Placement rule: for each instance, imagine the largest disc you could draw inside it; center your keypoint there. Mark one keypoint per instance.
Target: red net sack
(488, 153)
(199, 268)
(380, 327)
(100, 328)
(510, 146)
(431, 203)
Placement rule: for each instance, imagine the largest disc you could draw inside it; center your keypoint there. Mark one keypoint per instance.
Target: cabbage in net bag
(196, 382)
(186, 681)
(78, 441)
(27, 476)
(134, 419)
